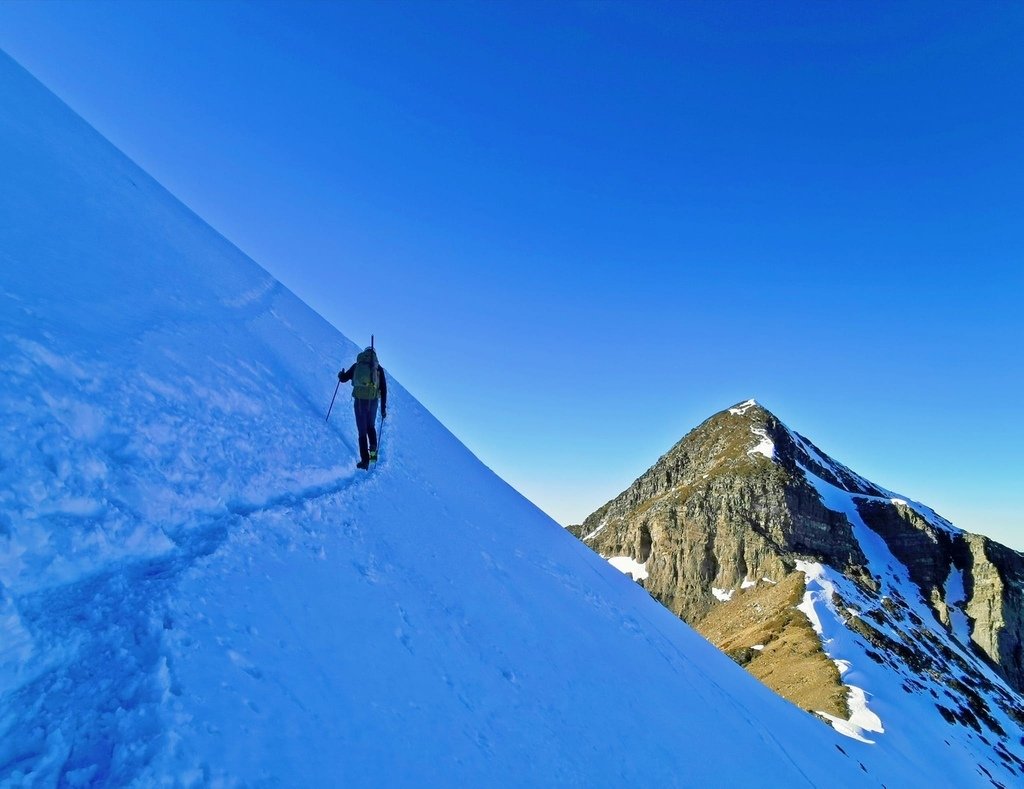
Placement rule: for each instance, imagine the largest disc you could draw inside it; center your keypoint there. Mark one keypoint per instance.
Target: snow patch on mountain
(861, 719)
(629, 566)
(742, 408)
(956, 596)
(765, 447)
(818, 605)
(595, 532)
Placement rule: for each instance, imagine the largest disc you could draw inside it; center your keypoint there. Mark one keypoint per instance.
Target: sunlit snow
(629, 566)
(742, 408)
(816, 604)
(765, 447)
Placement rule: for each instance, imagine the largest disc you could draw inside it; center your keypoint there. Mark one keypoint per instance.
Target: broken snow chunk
(862, 720)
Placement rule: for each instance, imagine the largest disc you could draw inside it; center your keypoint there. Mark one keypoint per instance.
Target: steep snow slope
(196, 587)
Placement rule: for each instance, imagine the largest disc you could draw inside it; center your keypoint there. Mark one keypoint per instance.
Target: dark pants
(366, 424)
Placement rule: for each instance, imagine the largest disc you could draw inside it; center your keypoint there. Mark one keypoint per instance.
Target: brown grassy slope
(792, 662)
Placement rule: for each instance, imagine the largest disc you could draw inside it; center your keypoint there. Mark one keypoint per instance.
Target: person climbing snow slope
(368, 386)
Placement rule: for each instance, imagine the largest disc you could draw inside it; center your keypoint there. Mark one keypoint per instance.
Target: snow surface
(748, 583)
(198, 588)
(956, 596)
(725, 595)
(629, 566)
(765, 446)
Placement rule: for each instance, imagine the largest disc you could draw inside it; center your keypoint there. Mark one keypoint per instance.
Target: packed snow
(198, 588)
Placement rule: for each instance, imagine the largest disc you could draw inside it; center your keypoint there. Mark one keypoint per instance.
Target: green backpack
(365, 376)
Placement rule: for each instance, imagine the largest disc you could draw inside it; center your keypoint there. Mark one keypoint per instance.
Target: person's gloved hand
(340, 373)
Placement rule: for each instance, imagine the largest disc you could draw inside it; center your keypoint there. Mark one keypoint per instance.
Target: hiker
(368, 383)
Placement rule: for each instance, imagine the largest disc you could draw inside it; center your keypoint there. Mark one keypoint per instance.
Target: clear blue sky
(578, 229)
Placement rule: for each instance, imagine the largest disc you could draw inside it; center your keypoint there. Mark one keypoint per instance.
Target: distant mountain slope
(851, 601)
(197, 588)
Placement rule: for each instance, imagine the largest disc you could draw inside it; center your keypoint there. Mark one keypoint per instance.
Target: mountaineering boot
(363, 464)
(373, 455)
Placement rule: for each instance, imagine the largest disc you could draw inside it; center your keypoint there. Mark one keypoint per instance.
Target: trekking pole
(332, 401)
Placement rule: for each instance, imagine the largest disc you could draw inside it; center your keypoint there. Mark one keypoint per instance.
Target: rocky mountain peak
(766, 435)
(734, 481)
(750, 532)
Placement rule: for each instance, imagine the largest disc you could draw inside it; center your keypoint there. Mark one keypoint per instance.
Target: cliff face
(957, 570)
(743, 502)
(995, 603)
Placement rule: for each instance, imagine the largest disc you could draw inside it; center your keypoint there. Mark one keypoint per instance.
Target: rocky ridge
(743, 504)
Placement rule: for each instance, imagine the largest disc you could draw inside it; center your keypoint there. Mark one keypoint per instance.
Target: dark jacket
(382, 384)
